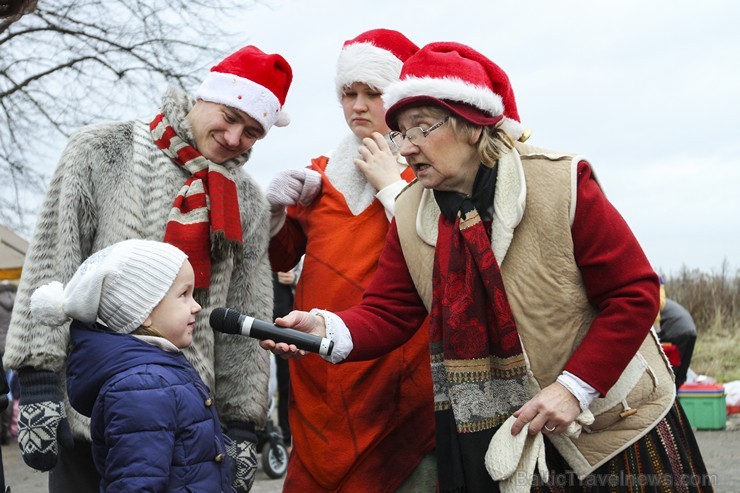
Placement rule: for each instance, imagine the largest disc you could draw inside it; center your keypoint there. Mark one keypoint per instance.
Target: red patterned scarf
(479, 371)
(205, 215)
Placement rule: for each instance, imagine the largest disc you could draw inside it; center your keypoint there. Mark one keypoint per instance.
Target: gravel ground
(720, 448)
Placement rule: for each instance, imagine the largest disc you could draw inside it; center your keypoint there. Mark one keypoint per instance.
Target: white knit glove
(509, 456)
(292, 186)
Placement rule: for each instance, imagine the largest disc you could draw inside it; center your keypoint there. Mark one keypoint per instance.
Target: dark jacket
(153, 424)
(283, 296)
(7, 300)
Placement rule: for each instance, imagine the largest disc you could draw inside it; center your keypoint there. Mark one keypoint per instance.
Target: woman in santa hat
(547, 376)
(367, 426)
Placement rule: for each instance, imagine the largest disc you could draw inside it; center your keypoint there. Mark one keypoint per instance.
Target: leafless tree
(13, 9)
(67, 63)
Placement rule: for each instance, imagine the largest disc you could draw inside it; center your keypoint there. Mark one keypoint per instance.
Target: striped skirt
(667, 459)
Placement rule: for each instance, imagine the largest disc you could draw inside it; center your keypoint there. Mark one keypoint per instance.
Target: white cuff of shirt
(336, 331)
(387, 197)
(580, 389)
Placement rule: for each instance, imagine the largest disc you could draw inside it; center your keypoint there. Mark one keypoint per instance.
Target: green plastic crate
(706, 412)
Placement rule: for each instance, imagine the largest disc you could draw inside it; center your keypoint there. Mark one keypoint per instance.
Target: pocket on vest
(635, 386)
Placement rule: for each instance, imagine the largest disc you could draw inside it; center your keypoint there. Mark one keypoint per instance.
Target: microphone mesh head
(232, 323)
(225, 320)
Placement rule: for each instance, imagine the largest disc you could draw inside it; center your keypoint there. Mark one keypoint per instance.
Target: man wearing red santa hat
(177, 177)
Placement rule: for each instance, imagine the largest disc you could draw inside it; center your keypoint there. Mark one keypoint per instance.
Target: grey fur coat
(113, 183)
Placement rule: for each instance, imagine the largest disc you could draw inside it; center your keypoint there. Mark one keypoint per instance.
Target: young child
(153, 423)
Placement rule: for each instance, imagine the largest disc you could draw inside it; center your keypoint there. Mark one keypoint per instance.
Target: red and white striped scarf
(205, 216)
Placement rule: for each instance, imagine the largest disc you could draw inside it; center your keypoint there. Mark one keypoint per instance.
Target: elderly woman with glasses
(540, 300)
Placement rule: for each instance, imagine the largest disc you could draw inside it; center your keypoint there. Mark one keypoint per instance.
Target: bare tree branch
(68, 63)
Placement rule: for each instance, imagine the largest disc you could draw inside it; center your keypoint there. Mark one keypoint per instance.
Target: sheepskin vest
(534, 206)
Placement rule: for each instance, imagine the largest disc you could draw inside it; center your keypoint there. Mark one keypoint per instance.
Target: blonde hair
(492, 143)
(147, 331)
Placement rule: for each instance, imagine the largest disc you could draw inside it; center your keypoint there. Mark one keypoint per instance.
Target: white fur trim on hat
(452, 89)
(366, 63)
(447, 88)
(245, 95)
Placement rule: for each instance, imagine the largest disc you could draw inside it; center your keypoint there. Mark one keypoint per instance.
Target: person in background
(677, 333)
(7, 300)
(367, 426)
(547, 375)
(133, 311)
(677, 327)
(175, 176)
(283, 284)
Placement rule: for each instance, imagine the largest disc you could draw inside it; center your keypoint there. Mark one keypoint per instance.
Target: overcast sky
(648, 91)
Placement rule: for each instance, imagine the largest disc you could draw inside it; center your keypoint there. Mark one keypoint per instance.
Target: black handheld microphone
(231, 321)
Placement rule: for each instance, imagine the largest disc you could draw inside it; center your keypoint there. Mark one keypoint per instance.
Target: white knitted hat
(120, 285)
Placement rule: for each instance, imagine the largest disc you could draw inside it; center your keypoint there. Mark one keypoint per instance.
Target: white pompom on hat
(374, 57)
(120, 285)
(460, 79)
(252, 81)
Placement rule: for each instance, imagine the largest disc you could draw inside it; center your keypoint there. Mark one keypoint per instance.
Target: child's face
(174, 316)
(363, 110)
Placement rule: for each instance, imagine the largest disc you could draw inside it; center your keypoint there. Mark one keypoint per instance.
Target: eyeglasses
(416, 135)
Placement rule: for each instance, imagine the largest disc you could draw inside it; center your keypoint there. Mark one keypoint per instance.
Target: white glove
(292, 186)
(509, 457)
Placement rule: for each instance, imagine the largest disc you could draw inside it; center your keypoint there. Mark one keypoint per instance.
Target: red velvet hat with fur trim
(460, 79)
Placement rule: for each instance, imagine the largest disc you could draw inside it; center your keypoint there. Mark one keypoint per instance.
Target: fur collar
(176, 104)
(508, 207)
(347, 179)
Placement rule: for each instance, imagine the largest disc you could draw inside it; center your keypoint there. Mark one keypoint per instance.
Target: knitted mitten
(511, 460)
(242, 449)
(42, 420)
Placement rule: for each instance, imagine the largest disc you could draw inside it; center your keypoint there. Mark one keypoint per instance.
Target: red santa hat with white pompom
(252, 81)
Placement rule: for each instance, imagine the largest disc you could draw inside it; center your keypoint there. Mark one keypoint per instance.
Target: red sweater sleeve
(390, 311)
(619, 281)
